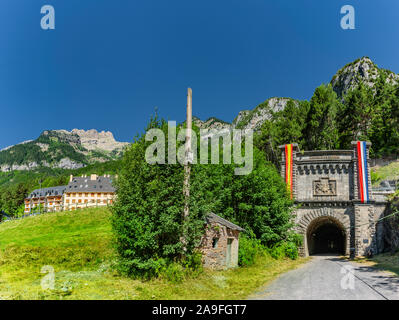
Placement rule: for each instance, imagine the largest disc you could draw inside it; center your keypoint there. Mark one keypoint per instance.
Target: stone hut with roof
(219, 245)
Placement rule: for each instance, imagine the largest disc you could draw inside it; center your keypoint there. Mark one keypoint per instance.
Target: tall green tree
(320, 131)
(148, 213)
(284, 127)
(384, 129)
(356, 115)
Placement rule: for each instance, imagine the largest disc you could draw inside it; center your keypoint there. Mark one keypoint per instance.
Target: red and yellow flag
(288, 167)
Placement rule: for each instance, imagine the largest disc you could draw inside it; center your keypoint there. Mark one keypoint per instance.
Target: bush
(291, 250)
(284, 249)
(296, 238)
(174, 272)
(375, 177)
(277, 251)
(193, 264)
(249, 249)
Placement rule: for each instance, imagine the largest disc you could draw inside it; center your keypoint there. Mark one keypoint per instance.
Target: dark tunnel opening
(326, 236)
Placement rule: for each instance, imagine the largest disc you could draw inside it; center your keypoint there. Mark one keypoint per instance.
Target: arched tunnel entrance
(326, 235)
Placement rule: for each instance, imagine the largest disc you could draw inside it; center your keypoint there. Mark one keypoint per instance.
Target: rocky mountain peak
(361, 70)
(104, 140)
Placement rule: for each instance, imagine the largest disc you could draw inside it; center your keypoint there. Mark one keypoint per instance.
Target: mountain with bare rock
(62, 149)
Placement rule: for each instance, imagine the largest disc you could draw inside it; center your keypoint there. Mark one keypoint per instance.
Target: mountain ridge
(62, 149)
(345, 79)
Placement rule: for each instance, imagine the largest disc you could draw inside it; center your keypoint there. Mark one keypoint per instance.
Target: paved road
(331, 278)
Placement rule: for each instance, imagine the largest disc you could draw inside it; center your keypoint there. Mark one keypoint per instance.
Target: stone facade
(219, 245)
(330, 215)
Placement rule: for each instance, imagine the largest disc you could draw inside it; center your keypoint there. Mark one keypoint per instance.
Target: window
(215, 242)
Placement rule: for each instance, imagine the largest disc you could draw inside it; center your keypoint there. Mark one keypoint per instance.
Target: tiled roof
(47, 192)
(85, 184)
(211, 217)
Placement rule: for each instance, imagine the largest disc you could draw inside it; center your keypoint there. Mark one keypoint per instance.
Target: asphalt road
(331, 278)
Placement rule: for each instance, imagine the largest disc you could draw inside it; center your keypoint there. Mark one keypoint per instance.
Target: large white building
(89, 191)
(81, 192)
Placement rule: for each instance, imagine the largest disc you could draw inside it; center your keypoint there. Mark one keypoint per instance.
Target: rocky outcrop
(66, 163)
(12, 167)
(391, 227)
(211, 123)
(240, 117)
(361, 70)
(104, 140)
(263, 112)
(247, 119)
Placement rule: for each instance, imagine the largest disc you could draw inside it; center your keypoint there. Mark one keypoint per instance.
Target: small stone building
(219, 245)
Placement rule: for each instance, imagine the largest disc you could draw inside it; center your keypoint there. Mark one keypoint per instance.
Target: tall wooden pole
(188, 155)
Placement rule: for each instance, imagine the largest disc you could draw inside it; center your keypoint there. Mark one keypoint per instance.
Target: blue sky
(109, 63)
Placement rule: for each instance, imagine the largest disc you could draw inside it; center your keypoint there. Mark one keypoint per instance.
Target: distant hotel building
(93, 191)
(50, 199)
(81, 192)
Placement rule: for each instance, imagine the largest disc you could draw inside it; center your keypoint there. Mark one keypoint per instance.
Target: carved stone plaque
(324, 187)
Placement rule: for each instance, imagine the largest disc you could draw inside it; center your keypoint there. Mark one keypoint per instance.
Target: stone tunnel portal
(326, 235)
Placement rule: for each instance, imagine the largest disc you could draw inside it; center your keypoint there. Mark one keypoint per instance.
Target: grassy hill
(78, 245)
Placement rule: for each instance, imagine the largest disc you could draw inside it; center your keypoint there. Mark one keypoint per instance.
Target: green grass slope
(77, 245)
(388, 172)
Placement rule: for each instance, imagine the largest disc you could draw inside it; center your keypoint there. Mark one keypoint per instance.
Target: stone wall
(216, 258)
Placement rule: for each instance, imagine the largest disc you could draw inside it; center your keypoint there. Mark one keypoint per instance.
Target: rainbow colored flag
(288, 167)
(362, 171)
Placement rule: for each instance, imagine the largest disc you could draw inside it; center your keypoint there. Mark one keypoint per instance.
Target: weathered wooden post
(188, 156)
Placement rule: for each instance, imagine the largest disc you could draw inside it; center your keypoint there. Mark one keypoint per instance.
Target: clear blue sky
(109, 63)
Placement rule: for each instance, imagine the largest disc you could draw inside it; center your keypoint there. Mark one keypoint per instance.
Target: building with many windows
(89, 191)
(81, 192)
(45, 199)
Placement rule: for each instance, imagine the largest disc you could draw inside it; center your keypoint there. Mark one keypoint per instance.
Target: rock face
(247, 119)
(104, 140)
(255, 118)
(361, 70)
(391, 226)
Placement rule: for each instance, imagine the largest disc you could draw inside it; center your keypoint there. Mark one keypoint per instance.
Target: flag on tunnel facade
(288, 167)
(363, 171)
